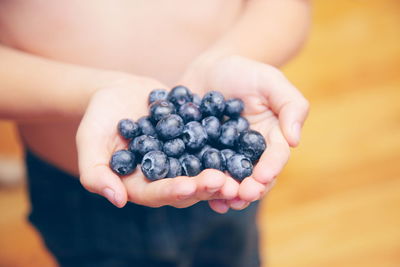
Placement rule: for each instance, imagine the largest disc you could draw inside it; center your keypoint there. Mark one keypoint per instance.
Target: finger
(274, 157)
(169, 191)
(209, 182)
(95, 174)
(229, 190)
(238, 204)
(291, 118)
(101, 180)
(286, 101)
(218, 205)
(250, 190)
(269, 187)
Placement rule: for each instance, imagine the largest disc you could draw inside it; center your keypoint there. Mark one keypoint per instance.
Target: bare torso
(156, 38)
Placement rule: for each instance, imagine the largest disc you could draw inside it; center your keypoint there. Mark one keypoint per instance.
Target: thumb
(291, 118)
(286, 101)
(95, 173)
(101, 180)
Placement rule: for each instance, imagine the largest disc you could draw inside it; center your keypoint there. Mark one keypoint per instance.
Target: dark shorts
(83, 229)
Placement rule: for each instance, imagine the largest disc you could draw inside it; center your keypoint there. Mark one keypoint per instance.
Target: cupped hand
(97, 139)
(274, 107)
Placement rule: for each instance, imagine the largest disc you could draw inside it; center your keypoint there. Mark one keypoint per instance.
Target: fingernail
(296, 131)
(238, 204)
(110, 195)
(222, 207)
(118, 200)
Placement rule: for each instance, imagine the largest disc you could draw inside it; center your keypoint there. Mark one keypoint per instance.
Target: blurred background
(337, 203)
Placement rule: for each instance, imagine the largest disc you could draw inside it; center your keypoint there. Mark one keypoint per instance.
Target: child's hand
(274, 107)
(97, 139)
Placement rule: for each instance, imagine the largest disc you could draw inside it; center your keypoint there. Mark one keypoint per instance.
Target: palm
(98, 138)
(256, 84)
(238, 81)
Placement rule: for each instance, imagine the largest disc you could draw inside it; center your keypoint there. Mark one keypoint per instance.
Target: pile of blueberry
(185, 134)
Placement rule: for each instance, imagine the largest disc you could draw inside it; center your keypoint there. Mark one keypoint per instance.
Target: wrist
(90, 81)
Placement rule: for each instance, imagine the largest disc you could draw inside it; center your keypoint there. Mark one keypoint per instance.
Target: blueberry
(233, 107)
(239, 167)
(170, 127)
(213, 104)
(213, 127)
(229, 135)
(251, 144)
(175, 168)
(146, 127)
(241, 124)
(174, 147)
(196, 100)
(123, 162)
(160, 110)
(200, 153)
(184, 155)
(191, 165)
(190, 112)
(157, 95)
(128, 129)
(155, 165)
(180, 95)
(227, 153)
(144, 144)
(194, 135)
(212, 159)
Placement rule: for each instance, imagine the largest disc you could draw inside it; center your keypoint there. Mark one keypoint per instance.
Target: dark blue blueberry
(200, 153)
(213, 127)
(174, 147)
(146, 126)
(157, 95)
(123, 162)
(180, 95)
(194, 135)
(170, 127)
(128, 129)
(251, 144)
(233, 107)
(229, 135)
(212, 159)
(160, 110)
(190, 112)
(213, 104)
(227, 153)
(241, 124)
(239, 167)
(155, 165)
(175, 168)
(191, 165)
(144, 144)
(196, 100)
(184, 155)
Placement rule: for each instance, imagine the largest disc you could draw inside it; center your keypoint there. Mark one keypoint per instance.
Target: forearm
(36, 88)
(270, 31)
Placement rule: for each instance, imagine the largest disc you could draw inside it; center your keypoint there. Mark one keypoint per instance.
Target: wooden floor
(338, 201)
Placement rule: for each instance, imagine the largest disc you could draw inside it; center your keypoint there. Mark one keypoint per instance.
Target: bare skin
(66, 40)
(169, 41)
